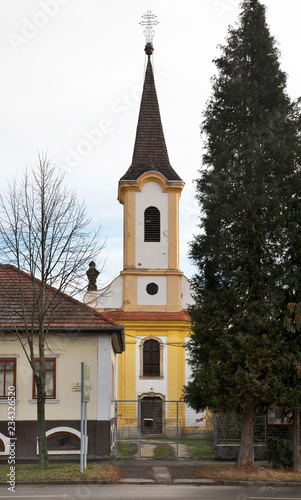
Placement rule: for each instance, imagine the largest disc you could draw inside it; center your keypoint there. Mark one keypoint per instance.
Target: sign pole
(82, 438)
(85, 397)
(86, 436)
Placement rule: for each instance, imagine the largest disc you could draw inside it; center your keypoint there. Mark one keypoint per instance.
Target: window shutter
(152, 224)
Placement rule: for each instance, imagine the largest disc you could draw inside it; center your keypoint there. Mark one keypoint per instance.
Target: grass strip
(56, 472)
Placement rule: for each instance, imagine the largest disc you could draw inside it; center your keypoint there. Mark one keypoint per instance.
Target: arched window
(63, 441)
(151, 358)
(152, 224)
(4, 444)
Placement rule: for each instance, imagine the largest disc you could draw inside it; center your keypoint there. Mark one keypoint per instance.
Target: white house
(76, 333)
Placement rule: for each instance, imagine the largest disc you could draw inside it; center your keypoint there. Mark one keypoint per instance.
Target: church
(151, 294)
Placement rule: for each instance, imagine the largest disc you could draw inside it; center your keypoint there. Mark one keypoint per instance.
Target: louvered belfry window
(151, 358)
(152, 224)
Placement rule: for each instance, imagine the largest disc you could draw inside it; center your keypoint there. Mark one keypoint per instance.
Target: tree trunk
(43, 453)
(41, 394)
(296, 450)
(246, 449)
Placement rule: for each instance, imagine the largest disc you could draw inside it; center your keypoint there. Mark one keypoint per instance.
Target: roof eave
(54, 329)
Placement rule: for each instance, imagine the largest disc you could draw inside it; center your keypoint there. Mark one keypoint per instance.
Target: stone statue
(92, 274)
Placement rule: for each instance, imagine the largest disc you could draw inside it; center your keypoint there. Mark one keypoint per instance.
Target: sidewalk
(161, 472)
(180, 472)
(190, 472)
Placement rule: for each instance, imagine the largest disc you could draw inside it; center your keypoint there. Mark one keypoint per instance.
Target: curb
(137, 481)
(274, 484)
(42, 482)
(191, 482)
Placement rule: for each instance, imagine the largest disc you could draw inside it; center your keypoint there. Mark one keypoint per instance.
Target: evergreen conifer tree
(245, 191)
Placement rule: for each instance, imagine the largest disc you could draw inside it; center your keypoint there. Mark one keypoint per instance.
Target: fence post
(215, 435)
(139, 429)
(177, 429)
(115, 428)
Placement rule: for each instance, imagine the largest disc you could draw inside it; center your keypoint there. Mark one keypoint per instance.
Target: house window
(50, 378)
(7, 376)
(152, 224)
(151, 358)
(63, 441)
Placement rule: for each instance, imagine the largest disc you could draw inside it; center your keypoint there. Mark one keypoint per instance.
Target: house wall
(104, 377)
(69, 351)
(65, 410)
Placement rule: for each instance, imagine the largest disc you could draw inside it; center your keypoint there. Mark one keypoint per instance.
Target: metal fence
(227, 433)
(142, 425)
(227, 428)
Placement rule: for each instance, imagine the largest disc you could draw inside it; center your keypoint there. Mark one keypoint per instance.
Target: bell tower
(150, 191)
(151, 295)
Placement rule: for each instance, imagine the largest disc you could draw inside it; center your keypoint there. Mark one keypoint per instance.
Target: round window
(152, 288)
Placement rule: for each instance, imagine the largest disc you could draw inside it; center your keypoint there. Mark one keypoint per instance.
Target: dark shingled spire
(150, 151)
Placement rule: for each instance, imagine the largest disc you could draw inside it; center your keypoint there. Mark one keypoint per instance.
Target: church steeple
(150, 151)
(151, 280)
(150, 192)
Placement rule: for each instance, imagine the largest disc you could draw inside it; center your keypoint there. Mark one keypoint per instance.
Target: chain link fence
(155, 428)
(227, 433)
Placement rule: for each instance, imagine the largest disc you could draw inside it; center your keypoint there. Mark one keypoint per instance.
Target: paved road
(145, 492)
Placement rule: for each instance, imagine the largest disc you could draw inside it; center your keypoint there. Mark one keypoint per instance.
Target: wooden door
(151, 415)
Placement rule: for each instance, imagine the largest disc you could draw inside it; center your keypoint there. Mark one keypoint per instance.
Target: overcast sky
(71, 78)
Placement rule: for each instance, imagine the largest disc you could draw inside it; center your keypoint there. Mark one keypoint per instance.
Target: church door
(151, 415)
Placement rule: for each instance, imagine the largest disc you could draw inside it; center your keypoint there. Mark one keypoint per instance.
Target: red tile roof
(150, 151)
(148, 316)
(64, 312)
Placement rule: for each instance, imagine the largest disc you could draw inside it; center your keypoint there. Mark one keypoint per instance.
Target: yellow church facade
(151, 294)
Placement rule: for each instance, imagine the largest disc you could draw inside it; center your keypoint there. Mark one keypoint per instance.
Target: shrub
(279, 452)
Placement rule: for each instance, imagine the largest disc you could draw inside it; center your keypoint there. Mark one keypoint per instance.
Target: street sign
(86, 392)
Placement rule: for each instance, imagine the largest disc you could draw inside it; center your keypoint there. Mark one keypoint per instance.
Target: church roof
(120, 315)
(150, 151)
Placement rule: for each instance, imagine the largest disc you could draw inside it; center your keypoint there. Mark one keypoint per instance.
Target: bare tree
(44, 232)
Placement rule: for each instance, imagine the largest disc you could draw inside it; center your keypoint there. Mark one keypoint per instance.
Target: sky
(70, 84)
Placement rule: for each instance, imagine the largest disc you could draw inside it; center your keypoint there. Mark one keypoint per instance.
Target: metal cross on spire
(149, 21)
